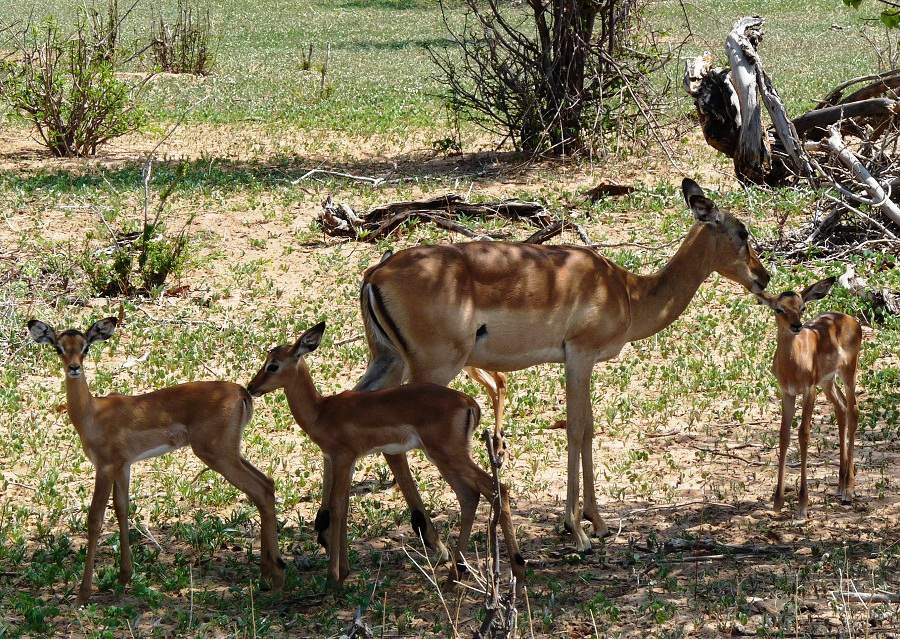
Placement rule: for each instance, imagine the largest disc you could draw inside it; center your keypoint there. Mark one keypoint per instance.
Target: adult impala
(118, 430)
(431, 310)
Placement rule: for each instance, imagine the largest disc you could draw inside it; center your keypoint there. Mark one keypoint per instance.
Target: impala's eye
(271, 368)
(778, 311)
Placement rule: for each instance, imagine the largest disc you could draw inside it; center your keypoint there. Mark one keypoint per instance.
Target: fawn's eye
(778, 311)
(271, 368)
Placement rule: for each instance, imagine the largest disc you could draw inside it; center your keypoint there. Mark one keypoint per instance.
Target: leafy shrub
(140, 262)
(65, 86)
(183, 46)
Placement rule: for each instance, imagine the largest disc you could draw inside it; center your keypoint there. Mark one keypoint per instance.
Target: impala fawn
(353, 424)
(118, 430)
(810, 355)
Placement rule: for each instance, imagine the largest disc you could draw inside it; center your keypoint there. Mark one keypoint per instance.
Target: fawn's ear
(764, 299)
(818, 290)
(704, 209)
(41, 333)
(101, 330)
(309, 341)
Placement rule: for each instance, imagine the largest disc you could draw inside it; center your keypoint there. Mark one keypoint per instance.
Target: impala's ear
(689, 189)
(309, 341)
(818, 290)
(41, 333)
(704, 209)
(101, 330)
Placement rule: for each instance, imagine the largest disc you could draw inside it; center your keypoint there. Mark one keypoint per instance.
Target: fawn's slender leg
(120, 503)
(788, 407)
(809, 402)
(849, 377)
(323, 516)
(468, 497)
(840, 413)
(234, 469)
(102, 487)
(342, 474)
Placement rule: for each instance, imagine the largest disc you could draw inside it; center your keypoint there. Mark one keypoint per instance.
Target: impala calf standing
(353, 424)
(118, 430)
(429, 311)
(810, 355)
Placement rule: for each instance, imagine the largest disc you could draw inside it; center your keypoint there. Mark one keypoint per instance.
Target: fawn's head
(282, 361)
(732, 255)
(789, 306)
(72, 345)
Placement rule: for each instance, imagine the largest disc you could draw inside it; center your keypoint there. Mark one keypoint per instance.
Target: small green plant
(141, 261)
(65, 86)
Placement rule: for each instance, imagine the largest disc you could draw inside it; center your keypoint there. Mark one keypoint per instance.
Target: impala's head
(72, 345)
(789, 306)
(732, 255)
(281, 362)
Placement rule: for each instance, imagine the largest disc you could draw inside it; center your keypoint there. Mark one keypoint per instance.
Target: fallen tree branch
(835, 143)
(812, 124)
(340, 220)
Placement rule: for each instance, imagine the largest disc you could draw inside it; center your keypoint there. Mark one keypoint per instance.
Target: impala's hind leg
(237, 471)
(836, 398)
(848, 374)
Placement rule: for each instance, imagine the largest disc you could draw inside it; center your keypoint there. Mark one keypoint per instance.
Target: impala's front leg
(578, 414)
(120, 503)
(809, 402)
(102, 487)
(788, 406)
(323, 516)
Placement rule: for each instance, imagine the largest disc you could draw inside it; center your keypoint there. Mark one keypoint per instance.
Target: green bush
(65, 86)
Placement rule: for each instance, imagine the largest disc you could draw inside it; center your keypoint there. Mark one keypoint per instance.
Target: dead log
(751, 158)
(883, 83)
(835, 143)
(340, 220)
(607, 190)
(813, 125)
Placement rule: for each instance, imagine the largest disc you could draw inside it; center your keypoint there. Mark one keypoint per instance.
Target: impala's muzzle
(73, 370)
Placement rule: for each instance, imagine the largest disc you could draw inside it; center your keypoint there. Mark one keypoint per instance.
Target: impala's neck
(302, 396)
(658, 299)
(79, 401)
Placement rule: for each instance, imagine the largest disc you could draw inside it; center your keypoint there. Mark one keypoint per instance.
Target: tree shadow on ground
(226, 174)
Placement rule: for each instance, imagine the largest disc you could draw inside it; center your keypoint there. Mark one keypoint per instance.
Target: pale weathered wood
(751, 159)
(835, 144)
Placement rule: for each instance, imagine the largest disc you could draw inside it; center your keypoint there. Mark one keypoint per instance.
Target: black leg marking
(462, 568)
(519, 559)
(323, 521)
(281, 563)
(419, 525)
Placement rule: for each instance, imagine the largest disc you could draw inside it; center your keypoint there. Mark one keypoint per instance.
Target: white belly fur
(411, 442)
(156, 452)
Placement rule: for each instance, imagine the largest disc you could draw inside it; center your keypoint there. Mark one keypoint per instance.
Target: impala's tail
(386, 344)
